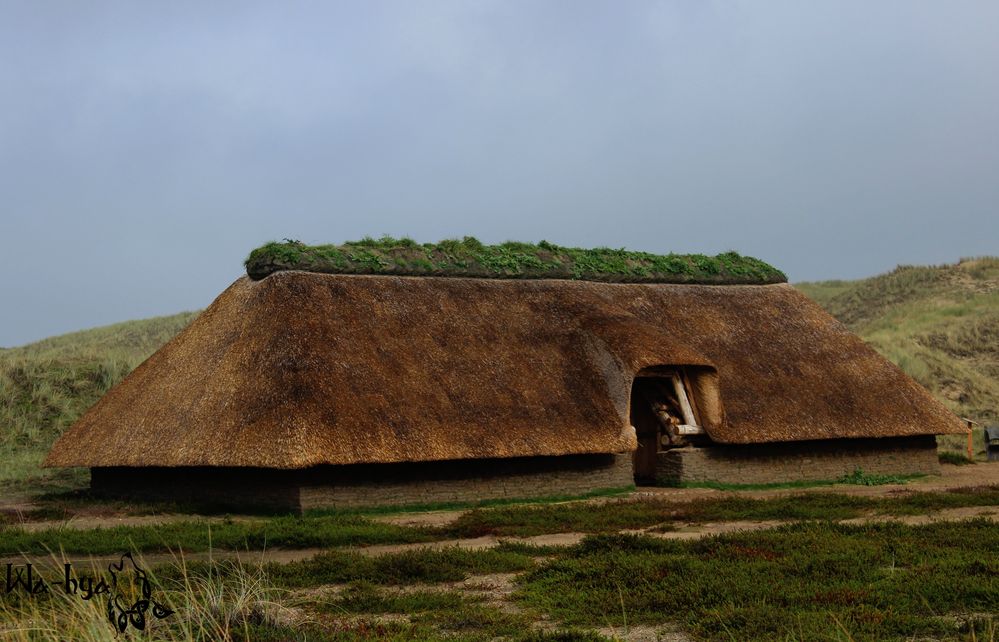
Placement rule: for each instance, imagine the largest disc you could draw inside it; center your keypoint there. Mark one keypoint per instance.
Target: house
(300, 389)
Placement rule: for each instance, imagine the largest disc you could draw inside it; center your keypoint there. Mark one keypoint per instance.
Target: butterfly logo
(120, 615)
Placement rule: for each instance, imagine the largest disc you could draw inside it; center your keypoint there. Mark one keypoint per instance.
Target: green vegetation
(857, 478)
(420, 566)
(191, 536)
(386, 509)
(351, 529)
(227, 604)
(939, 324)
(469, 257)
(814, 581)
(450, 611)
(954, 458)
(231, 602)
(807, 581)
(45, 386)
(613, 516)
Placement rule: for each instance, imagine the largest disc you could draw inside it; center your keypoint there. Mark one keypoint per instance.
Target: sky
(146, 148)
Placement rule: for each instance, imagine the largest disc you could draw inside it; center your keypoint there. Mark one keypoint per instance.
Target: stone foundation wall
(463, 481)
(798, 461)
(262, 489)
(257, 489)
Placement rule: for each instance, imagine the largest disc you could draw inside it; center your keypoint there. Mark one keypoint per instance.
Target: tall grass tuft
(224, 601)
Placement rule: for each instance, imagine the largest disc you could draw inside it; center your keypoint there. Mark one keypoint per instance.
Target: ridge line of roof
(464, 277)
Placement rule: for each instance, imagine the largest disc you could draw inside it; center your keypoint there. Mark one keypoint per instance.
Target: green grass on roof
(511, 260)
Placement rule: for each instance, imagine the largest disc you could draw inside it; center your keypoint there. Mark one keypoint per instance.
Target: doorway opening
(664, 415)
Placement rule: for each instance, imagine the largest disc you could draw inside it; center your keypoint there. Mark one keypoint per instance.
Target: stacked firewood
(667, 410)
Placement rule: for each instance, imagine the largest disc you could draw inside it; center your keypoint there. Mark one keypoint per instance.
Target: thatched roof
(512, 260)
(301, 369)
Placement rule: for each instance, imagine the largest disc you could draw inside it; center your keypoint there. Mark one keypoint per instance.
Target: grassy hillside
(939, 324)
(46, 385)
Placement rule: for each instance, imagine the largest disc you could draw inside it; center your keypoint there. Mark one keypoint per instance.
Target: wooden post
(971, 449)
(681, 396)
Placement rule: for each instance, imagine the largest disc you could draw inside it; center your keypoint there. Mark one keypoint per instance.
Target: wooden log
(681, 395)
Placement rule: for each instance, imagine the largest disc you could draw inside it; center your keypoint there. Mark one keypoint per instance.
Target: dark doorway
(647, 428)
(663, 417)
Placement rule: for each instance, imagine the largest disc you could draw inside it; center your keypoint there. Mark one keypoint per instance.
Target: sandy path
(82, 522)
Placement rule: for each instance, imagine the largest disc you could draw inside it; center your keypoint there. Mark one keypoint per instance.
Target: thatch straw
(302, 369)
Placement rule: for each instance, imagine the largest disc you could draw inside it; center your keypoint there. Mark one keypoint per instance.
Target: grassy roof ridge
(468, 257)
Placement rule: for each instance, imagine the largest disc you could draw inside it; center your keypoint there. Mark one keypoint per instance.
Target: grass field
(810, 580)
(524, 520)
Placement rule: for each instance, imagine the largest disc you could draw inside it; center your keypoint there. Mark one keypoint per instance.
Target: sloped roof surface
(300, 369)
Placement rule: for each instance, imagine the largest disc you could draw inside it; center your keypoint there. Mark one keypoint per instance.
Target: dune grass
(225, 605)
(228, 601)
(939, 324)
(46, 385)
(469, 257)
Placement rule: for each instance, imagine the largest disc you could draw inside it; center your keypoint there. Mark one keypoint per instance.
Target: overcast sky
(146, 147)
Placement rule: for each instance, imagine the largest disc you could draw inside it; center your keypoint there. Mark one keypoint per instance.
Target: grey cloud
(144, 149)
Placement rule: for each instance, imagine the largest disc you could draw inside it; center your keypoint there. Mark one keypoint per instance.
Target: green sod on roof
(470, 258)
